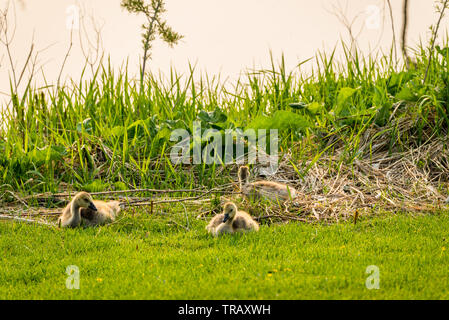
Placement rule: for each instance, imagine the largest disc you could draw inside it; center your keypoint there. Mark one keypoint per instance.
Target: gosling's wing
(244, 221)
(239, 223)
(253, 224)
(87, 214)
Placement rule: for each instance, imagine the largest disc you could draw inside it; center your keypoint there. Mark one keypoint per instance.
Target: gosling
(105, 212)
(71, 215)
(269, 190)
(231, 221)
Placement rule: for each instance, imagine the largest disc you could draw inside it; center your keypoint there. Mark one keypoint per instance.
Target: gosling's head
(244, 173)
(229, 211)
(84, 200)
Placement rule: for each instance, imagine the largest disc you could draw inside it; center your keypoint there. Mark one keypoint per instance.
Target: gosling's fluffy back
(107, 212)
(270, 190)
(267, 189)
(244, 222)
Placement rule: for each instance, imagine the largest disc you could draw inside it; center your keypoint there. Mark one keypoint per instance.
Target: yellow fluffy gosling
(231, 221)
(71, 215)
(270, 190)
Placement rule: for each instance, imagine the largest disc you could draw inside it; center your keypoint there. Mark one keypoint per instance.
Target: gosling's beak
(226, 217)
(92, 207)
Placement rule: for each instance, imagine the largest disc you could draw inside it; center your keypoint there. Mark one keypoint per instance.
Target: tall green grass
(106, 133)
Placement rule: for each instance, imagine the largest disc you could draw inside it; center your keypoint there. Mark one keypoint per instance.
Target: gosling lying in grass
(83, 209)
(269, 190)
(71, 215)
(231, 221)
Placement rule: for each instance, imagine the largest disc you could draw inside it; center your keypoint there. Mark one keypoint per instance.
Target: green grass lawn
(144, 257)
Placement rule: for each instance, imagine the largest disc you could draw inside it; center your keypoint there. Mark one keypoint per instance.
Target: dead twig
(5, 217)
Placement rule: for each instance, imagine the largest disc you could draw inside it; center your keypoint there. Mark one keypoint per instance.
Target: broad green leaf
(86, 125)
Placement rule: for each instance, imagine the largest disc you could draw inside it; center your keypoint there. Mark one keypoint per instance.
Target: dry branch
(5, 217)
